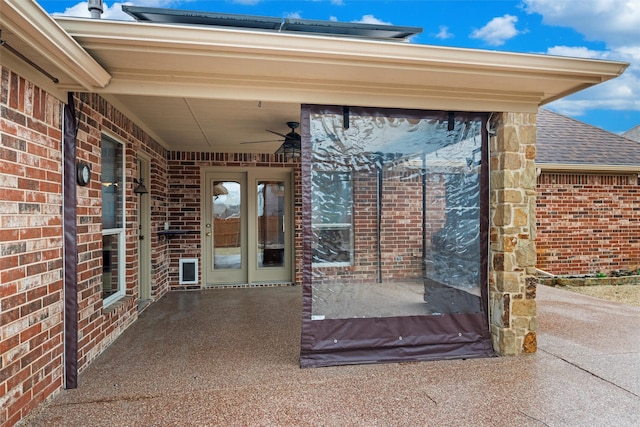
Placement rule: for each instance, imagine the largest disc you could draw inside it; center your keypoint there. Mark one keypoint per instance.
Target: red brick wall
(99, 326)
(401, 236)
(31, 280)
(587, 223)
(31, 342)
(184, 170)
(401, 246)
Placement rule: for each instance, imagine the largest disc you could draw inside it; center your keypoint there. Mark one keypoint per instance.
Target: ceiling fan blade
(277, 133)
(260, 142)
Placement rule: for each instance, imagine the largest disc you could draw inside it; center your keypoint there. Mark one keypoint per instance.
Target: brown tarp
(70, 247)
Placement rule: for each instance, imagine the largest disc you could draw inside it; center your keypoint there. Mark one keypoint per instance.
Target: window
(113, 231)
(332, 218)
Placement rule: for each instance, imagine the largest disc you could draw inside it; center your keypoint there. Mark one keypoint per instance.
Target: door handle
(208, 234)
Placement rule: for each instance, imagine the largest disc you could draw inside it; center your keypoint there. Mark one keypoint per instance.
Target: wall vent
(189, 271)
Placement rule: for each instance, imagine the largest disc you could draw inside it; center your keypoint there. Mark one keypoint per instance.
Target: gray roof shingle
(563, 140)
(633, 133)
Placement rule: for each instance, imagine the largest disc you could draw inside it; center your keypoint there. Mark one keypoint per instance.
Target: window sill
(117, 304)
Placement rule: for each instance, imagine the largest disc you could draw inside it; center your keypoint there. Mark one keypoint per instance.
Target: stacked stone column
(512, 258)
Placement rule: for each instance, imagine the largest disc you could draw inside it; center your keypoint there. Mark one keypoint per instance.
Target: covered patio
(100, 107)
(230, 357)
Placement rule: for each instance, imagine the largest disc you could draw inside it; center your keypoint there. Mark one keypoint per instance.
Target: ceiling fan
(290, 146)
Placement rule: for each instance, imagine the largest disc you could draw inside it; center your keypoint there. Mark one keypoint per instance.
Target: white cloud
(337, 2)
(370, 19)
(444, 33)
(614, 22)
(577, 52)
(498, 30)
(622, 93)
(294, 15)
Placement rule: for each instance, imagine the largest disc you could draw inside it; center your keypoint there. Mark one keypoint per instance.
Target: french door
(247, 225)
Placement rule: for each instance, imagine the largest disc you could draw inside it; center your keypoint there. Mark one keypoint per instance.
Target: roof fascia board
(574, 167)
(148, 36)
(28, 21)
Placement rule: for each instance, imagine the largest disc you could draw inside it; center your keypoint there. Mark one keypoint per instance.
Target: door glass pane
(270, 223)
(227, 231)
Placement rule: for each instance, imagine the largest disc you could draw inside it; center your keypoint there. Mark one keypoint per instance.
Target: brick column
(512, 258)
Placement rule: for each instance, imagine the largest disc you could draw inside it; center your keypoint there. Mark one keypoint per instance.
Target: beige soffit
(33, 33)
(584, 168)
(221, 63)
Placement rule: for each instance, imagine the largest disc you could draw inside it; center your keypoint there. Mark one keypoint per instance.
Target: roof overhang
(221, 63)
(29, 30)
(207, 88)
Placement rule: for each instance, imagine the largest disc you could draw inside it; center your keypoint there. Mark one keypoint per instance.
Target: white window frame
(119, 232)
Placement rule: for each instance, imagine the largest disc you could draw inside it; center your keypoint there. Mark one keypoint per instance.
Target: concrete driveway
(230, 358)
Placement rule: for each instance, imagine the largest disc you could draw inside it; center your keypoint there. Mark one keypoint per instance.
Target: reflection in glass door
(246, 225)
(270, 223)
(227, 225)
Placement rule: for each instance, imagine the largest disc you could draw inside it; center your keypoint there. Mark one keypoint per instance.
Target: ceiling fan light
(290, 149)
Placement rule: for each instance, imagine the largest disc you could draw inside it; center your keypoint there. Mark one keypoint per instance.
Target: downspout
(423, 182)
(70, 246)
(379, 217)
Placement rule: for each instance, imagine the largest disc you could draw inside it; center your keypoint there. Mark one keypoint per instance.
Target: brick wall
(99, 326)
(401, 217)
(31, 242)
(31, 306)
(401, 231)
(587, 223)
(401, 238)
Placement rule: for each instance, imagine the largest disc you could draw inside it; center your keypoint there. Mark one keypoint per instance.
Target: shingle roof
(563, 140)
(633, 133)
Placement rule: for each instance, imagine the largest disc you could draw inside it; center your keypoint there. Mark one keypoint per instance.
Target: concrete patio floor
(230, 358)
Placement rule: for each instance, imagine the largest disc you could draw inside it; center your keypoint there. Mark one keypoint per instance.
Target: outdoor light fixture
(140, 188)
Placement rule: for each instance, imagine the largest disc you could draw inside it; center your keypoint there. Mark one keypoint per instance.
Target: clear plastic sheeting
(395, 205)
(394, 229)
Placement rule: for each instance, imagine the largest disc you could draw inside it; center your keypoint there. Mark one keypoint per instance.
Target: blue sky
(598, 29)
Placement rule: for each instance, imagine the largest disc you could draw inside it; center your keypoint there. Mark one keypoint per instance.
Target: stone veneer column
(512, 255)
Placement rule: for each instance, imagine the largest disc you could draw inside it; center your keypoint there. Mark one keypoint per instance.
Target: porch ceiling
(210, 88)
